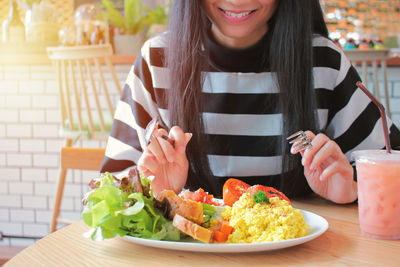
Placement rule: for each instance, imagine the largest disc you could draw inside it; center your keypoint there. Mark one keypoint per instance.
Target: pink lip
(236, 20)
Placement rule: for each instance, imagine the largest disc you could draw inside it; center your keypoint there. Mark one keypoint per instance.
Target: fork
(151, 127)
(300, 140)
(150, 136)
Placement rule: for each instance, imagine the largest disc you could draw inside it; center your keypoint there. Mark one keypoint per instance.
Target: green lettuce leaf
(111, 211)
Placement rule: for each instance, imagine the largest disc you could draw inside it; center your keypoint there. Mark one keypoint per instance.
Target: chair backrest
(78, 158)
(86, 108)
(373, 57)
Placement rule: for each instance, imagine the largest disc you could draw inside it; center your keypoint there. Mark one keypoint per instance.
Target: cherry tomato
(270, 191)
(232, 190)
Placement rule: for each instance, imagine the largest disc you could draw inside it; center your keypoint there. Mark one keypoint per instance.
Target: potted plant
(157, 19)
(130, 25)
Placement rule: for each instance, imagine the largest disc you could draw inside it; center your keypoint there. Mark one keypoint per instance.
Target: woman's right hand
(168, 163)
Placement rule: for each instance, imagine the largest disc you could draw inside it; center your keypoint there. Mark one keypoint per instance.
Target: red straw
(383, 115)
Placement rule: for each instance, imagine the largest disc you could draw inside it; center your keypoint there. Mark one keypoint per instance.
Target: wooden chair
(373, 57)
(86, 111)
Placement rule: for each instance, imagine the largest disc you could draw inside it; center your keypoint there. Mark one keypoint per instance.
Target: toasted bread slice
(187, 208)
(192, 229)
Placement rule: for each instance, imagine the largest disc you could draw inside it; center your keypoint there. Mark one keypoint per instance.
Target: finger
(147, 162)
(295, 146)
(146, 172)
(329, 149)
(161, 132)
(166, 147)
(317, 142)
(178, 135)
(341, 167)
(155, 148)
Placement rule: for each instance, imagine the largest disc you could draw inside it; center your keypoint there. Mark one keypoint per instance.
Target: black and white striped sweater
(238, 127)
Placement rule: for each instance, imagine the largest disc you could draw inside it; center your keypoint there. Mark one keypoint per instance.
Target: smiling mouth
(235, 14)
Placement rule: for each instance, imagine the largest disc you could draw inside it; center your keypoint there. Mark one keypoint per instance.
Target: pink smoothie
(378, 176)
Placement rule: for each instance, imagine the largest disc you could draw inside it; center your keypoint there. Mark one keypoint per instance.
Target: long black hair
(290, 57)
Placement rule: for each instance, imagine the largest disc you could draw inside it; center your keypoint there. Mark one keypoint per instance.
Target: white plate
(318, 226)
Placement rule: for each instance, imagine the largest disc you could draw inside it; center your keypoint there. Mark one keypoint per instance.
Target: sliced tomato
(199, 196)
(232, 190)
(270, 191)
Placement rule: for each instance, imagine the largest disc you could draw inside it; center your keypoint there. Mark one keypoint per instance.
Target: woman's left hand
(327, 170)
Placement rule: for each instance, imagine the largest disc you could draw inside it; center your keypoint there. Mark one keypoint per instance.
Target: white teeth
(236, 15)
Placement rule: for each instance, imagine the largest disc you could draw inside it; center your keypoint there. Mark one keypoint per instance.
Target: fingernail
(303, 161)
(312, 167)
(188, 136)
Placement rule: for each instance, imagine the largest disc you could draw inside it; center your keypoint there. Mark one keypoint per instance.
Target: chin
(236, 34)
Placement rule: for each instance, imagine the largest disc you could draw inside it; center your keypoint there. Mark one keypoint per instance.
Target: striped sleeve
(135, 109)
(353, 119)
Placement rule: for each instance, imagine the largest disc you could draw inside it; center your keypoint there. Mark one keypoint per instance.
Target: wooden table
(342, 244)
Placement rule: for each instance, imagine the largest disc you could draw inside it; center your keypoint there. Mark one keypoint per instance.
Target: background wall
(29, 152)
(30, 144)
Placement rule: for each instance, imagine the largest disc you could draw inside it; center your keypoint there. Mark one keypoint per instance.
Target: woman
(230, 81)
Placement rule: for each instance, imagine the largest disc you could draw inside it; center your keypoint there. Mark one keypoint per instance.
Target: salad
(125, 207)
(118, 207)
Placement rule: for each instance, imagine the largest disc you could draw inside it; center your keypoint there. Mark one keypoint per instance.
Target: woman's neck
(238, 43)
(249, 59)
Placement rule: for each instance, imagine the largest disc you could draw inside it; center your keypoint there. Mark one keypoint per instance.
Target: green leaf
(108, 193)
(158, 15)
(107, 179)
(87, 214)
(108, 233)
(111, 222)
(137, 207)
(146, 181)
(135, 15)
(100, 234)
(260, 196)
(168, 232)
(112, 14)
(99, 211)
(172, 233)
(208, 209)
(142, 217)
(110, 212)
(145, 222)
